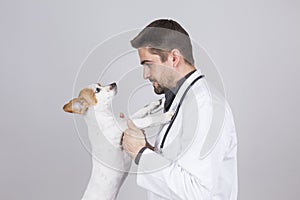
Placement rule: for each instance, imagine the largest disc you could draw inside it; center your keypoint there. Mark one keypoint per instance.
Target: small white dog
(110, 163)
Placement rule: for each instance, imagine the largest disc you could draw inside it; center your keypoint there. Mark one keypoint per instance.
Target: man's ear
(77, 106)
(176, 56)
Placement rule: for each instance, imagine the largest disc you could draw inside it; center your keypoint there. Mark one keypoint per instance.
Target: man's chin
(159, 90)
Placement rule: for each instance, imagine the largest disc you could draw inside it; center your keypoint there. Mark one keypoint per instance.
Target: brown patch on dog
(80, 105)
(89, 96)
(77, 105)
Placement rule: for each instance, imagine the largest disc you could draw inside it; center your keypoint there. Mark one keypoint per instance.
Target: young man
(175, 167)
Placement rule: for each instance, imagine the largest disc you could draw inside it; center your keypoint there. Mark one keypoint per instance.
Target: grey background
(255, 45)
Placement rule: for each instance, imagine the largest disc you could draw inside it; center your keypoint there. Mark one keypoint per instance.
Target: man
(176, 167)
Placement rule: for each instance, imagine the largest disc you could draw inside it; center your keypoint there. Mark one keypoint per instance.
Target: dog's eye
(97, 90)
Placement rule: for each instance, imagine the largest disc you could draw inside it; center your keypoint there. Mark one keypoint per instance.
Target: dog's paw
(154, 105)
(168, 116)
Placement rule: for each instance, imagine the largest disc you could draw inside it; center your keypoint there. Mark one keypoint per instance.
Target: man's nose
(146, 72)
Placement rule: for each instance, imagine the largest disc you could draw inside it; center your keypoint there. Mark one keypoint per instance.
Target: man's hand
(133, 139)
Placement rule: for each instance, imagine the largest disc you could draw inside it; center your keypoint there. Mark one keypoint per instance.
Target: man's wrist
(149, 146)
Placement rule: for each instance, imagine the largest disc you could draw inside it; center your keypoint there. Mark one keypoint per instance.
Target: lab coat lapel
(173, 107)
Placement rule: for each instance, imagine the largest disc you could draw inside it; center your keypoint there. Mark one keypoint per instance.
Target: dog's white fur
(110, 163)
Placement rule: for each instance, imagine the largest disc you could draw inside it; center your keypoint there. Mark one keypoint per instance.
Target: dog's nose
(113, 85)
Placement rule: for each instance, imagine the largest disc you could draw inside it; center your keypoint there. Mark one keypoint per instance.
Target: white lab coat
(177, 171)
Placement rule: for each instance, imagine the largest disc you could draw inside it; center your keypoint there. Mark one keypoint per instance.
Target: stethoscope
(177, 110)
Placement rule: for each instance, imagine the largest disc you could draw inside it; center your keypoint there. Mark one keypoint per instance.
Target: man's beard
(159, 89)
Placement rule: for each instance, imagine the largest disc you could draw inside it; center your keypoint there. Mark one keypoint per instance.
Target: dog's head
(94, 95)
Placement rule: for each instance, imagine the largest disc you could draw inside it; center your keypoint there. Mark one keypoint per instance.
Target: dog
(110, 163)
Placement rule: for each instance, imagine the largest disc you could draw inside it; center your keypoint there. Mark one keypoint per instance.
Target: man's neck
(171, 92)
(186, 69)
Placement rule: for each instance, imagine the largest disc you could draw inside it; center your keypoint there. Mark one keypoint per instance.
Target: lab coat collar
(171, 93)
(164, 131)
(183, 88)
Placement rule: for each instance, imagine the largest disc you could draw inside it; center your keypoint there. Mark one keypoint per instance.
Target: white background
(255, 45)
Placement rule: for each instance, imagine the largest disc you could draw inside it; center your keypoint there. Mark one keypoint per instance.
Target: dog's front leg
(151, 108)
(153, 120)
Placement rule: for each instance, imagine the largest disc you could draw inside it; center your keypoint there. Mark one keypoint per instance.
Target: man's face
(160, 74)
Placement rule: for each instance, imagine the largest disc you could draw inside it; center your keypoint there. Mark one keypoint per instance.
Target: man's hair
(162, 36)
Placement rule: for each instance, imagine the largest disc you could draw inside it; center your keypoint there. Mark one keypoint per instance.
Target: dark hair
(162, 36)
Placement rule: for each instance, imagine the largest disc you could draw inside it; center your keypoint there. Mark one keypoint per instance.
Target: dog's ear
(77, 105)
(89, 96)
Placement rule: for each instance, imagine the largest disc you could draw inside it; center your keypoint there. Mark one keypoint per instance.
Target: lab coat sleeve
(172, 181)
(186, 177)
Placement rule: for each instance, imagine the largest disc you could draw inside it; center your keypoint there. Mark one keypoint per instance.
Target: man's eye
(97, 90)
(148, 65)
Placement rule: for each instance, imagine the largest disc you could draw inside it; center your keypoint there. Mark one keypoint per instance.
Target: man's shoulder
(199, 91)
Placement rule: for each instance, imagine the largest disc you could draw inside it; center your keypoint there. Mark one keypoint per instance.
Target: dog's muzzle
(113, 85)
